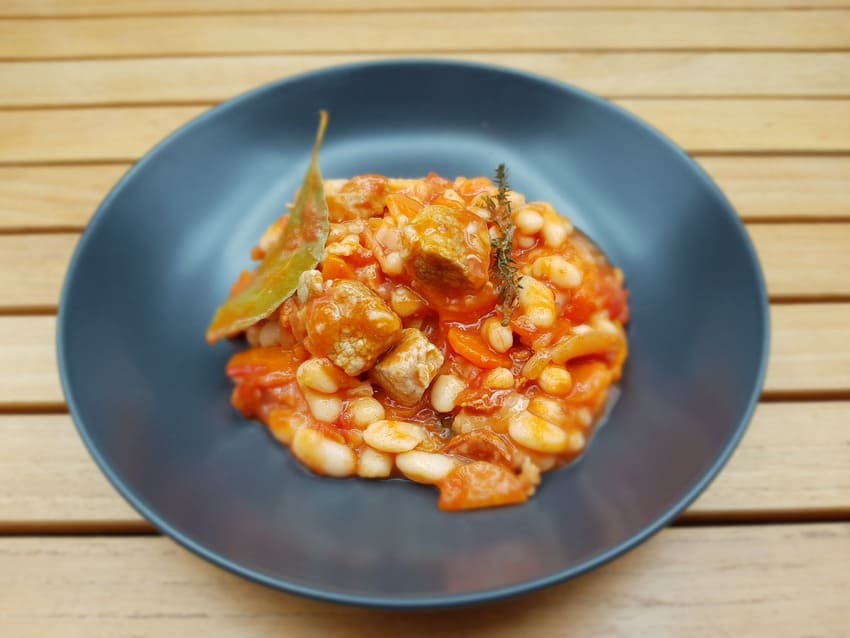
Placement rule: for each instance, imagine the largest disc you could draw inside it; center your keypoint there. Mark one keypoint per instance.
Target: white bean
(528, 221)
(557, 270)
(499, 379)
(425, 467)
(405, 302)
(537, 302)
(577, 441)
(319, 375)
(391, 264)
(365, 411)
(538, 434)
(323, 407)
(374, 464)
(555, 380)
(393, 436)
(269, 334)
(499, 337)
(548, 409)
(554, 232)
(284, 423)
(524, 241)
(322, 454)
(444, 392)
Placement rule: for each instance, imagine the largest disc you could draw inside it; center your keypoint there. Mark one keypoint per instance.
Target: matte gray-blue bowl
(151, 400)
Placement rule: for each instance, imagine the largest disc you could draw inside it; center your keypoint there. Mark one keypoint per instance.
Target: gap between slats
(35, 9)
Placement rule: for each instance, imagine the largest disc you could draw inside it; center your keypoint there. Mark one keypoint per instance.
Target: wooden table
(759, 95)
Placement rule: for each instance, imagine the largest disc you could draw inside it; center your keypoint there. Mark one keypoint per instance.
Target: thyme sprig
(503, 269)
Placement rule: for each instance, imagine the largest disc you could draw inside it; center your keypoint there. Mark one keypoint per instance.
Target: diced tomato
(336, 268)
(481, 484)
(590, 382)
(264, 367)
(482, 445)
(471, 346)
(582, 304)
(617, 303)
(400, 204)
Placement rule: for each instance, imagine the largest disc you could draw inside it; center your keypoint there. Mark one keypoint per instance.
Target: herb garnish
(503, 269)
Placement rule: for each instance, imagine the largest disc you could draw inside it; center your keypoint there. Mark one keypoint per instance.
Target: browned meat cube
(350, 325)
(448, 248)
(407, 370)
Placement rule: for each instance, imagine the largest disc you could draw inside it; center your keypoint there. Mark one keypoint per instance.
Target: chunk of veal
(448, 248)
(350, 325)
(407, 370)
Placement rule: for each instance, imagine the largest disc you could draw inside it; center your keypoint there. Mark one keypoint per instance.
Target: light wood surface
(177, 80)
(700, 126)
(757, 90)
(685, 582)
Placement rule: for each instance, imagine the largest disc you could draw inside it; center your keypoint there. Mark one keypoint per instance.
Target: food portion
(449, 333)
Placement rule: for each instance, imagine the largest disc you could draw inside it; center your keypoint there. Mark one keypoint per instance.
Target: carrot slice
(471, 346)
(481, 484)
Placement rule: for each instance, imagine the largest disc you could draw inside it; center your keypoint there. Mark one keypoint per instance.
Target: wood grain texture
(32, 269)
(698, 125)
(28, 372)
(431, 31)
(794, 460)
(810, 349)
(53, 8)
(810, 353)
(211, 79)
(54, 197)
(820, 269)
(775, 188)
(799, 260)
(696, 582)
(760, 188)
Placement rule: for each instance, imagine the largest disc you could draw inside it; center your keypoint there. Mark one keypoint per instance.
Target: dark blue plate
(151, 400)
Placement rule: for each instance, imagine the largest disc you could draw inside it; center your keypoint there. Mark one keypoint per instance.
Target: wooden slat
(698, 125)
(189, 80)
(52, 197)
(804, 260)
(810, 349)
(386, 32)
(774, 188)
(28, 372)
(800, 261)
(49, 477)
(54, 8)
(794, 460)
(749, 125)
(697, 582)
(32, 269)
(782, 187)
(87, 134)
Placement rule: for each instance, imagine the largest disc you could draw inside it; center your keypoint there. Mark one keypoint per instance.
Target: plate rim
(418, 601)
